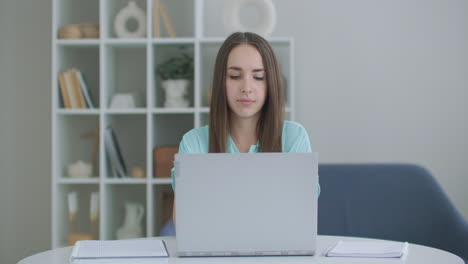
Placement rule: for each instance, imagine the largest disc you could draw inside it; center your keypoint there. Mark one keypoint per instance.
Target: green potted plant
(176, 74)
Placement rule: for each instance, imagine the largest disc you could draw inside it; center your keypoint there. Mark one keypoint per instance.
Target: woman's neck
(244, 133)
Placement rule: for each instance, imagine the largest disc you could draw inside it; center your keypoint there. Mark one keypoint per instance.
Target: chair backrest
(389, 201)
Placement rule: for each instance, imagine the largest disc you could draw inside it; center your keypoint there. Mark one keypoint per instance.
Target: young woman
(247, 104)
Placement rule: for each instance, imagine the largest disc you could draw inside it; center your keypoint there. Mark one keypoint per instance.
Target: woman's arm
(174, 215)
(297, 140)
(183, 148)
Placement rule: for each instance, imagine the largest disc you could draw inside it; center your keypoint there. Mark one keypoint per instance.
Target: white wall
(24, 128)
(385, 81)
(388, 82)
(381, 81)
(377, 81)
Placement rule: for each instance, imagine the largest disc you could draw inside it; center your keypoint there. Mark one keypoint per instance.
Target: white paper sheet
(368, 249)
(128, 249)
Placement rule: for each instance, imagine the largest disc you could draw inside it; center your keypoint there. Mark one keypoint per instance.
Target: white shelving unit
(112, 65)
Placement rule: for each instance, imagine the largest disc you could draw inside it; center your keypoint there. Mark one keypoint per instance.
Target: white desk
(416, 255)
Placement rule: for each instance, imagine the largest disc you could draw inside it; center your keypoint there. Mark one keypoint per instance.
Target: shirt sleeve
(183, 148)
(296, 138)
(301, 143)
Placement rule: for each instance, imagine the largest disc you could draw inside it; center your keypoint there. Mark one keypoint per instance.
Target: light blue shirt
(294, 139)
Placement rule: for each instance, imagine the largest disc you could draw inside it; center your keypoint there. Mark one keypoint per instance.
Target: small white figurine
(131, 227)
(123, 100)
(80, 169)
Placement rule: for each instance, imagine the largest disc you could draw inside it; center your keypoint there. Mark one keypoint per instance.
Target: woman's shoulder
(295, 137)
(293, 128)
(196, 140)
(197, 132)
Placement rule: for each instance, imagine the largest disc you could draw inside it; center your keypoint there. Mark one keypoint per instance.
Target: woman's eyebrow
(240, 69)
(235, 68)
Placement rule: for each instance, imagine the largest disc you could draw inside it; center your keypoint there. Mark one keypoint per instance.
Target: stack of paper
(102, 249)
(368, 249)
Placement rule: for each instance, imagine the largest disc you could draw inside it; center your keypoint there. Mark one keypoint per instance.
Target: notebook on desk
(246, 204)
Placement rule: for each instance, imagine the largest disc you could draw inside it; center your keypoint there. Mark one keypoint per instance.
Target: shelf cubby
(126, 72)
(181, 17)
(83, 222)
(169, 128)
(116, 195)
(85, 58)
(130, 132)
(78, 139)
(76, 12)
(113, 7)
(163, 52)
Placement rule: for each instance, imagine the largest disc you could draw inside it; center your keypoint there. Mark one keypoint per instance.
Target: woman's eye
(234, 77)
(259, 78)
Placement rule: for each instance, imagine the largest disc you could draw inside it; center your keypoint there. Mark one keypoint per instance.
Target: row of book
(74, 90)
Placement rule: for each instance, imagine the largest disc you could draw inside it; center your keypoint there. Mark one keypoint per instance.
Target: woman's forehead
(245, 57)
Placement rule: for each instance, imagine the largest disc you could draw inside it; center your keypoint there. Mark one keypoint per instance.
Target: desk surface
(416, 255)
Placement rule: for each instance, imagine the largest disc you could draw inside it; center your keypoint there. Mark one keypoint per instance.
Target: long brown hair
(270, 124)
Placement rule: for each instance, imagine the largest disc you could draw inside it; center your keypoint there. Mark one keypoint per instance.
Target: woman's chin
(246, 114)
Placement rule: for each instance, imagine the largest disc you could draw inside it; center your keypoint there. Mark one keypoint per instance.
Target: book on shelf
(115, 158)
(85, 89)
(70, 90)
(160, 8)
(64, 90)
(74, 90)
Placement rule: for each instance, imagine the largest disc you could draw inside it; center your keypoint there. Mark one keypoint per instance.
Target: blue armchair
(388, 201)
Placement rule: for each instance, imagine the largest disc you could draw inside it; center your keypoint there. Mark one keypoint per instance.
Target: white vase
(175, 91)
(131, 227)
(131, 11)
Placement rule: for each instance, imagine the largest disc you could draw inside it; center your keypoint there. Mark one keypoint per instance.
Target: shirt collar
(233, 148)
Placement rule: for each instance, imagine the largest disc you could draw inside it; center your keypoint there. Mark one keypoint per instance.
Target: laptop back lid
(246, 204)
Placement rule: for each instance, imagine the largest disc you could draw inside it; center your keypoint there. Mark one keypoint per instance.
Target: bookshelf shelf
(78, 181)
(161, 181)
(204, 110)
(168, 41)
(125, 181)
(125, 42)
(127, 111)
(78, 111)
(161, 110)
(78, 42)
(113, 66)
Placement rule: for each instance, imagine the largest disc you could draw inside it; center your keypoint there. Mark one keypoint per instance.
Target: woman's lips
(246, 102)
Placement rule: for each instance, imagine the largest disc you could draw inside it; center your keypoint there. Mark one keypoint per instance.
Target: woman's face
(246, 87)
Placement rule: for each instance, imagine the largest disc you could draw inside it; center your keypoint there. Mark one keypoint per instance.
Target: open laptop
(246, 204)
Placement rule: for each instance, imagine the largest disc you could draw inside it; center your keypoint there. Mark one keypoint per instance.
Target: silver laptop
(246, 204)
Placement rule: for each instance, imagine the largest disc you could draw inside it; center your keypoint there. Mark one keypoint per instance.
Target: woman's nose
(246, 86)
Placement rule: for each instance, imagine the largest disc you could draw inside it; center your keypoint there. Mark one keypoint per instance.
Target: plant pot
(175, 92)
